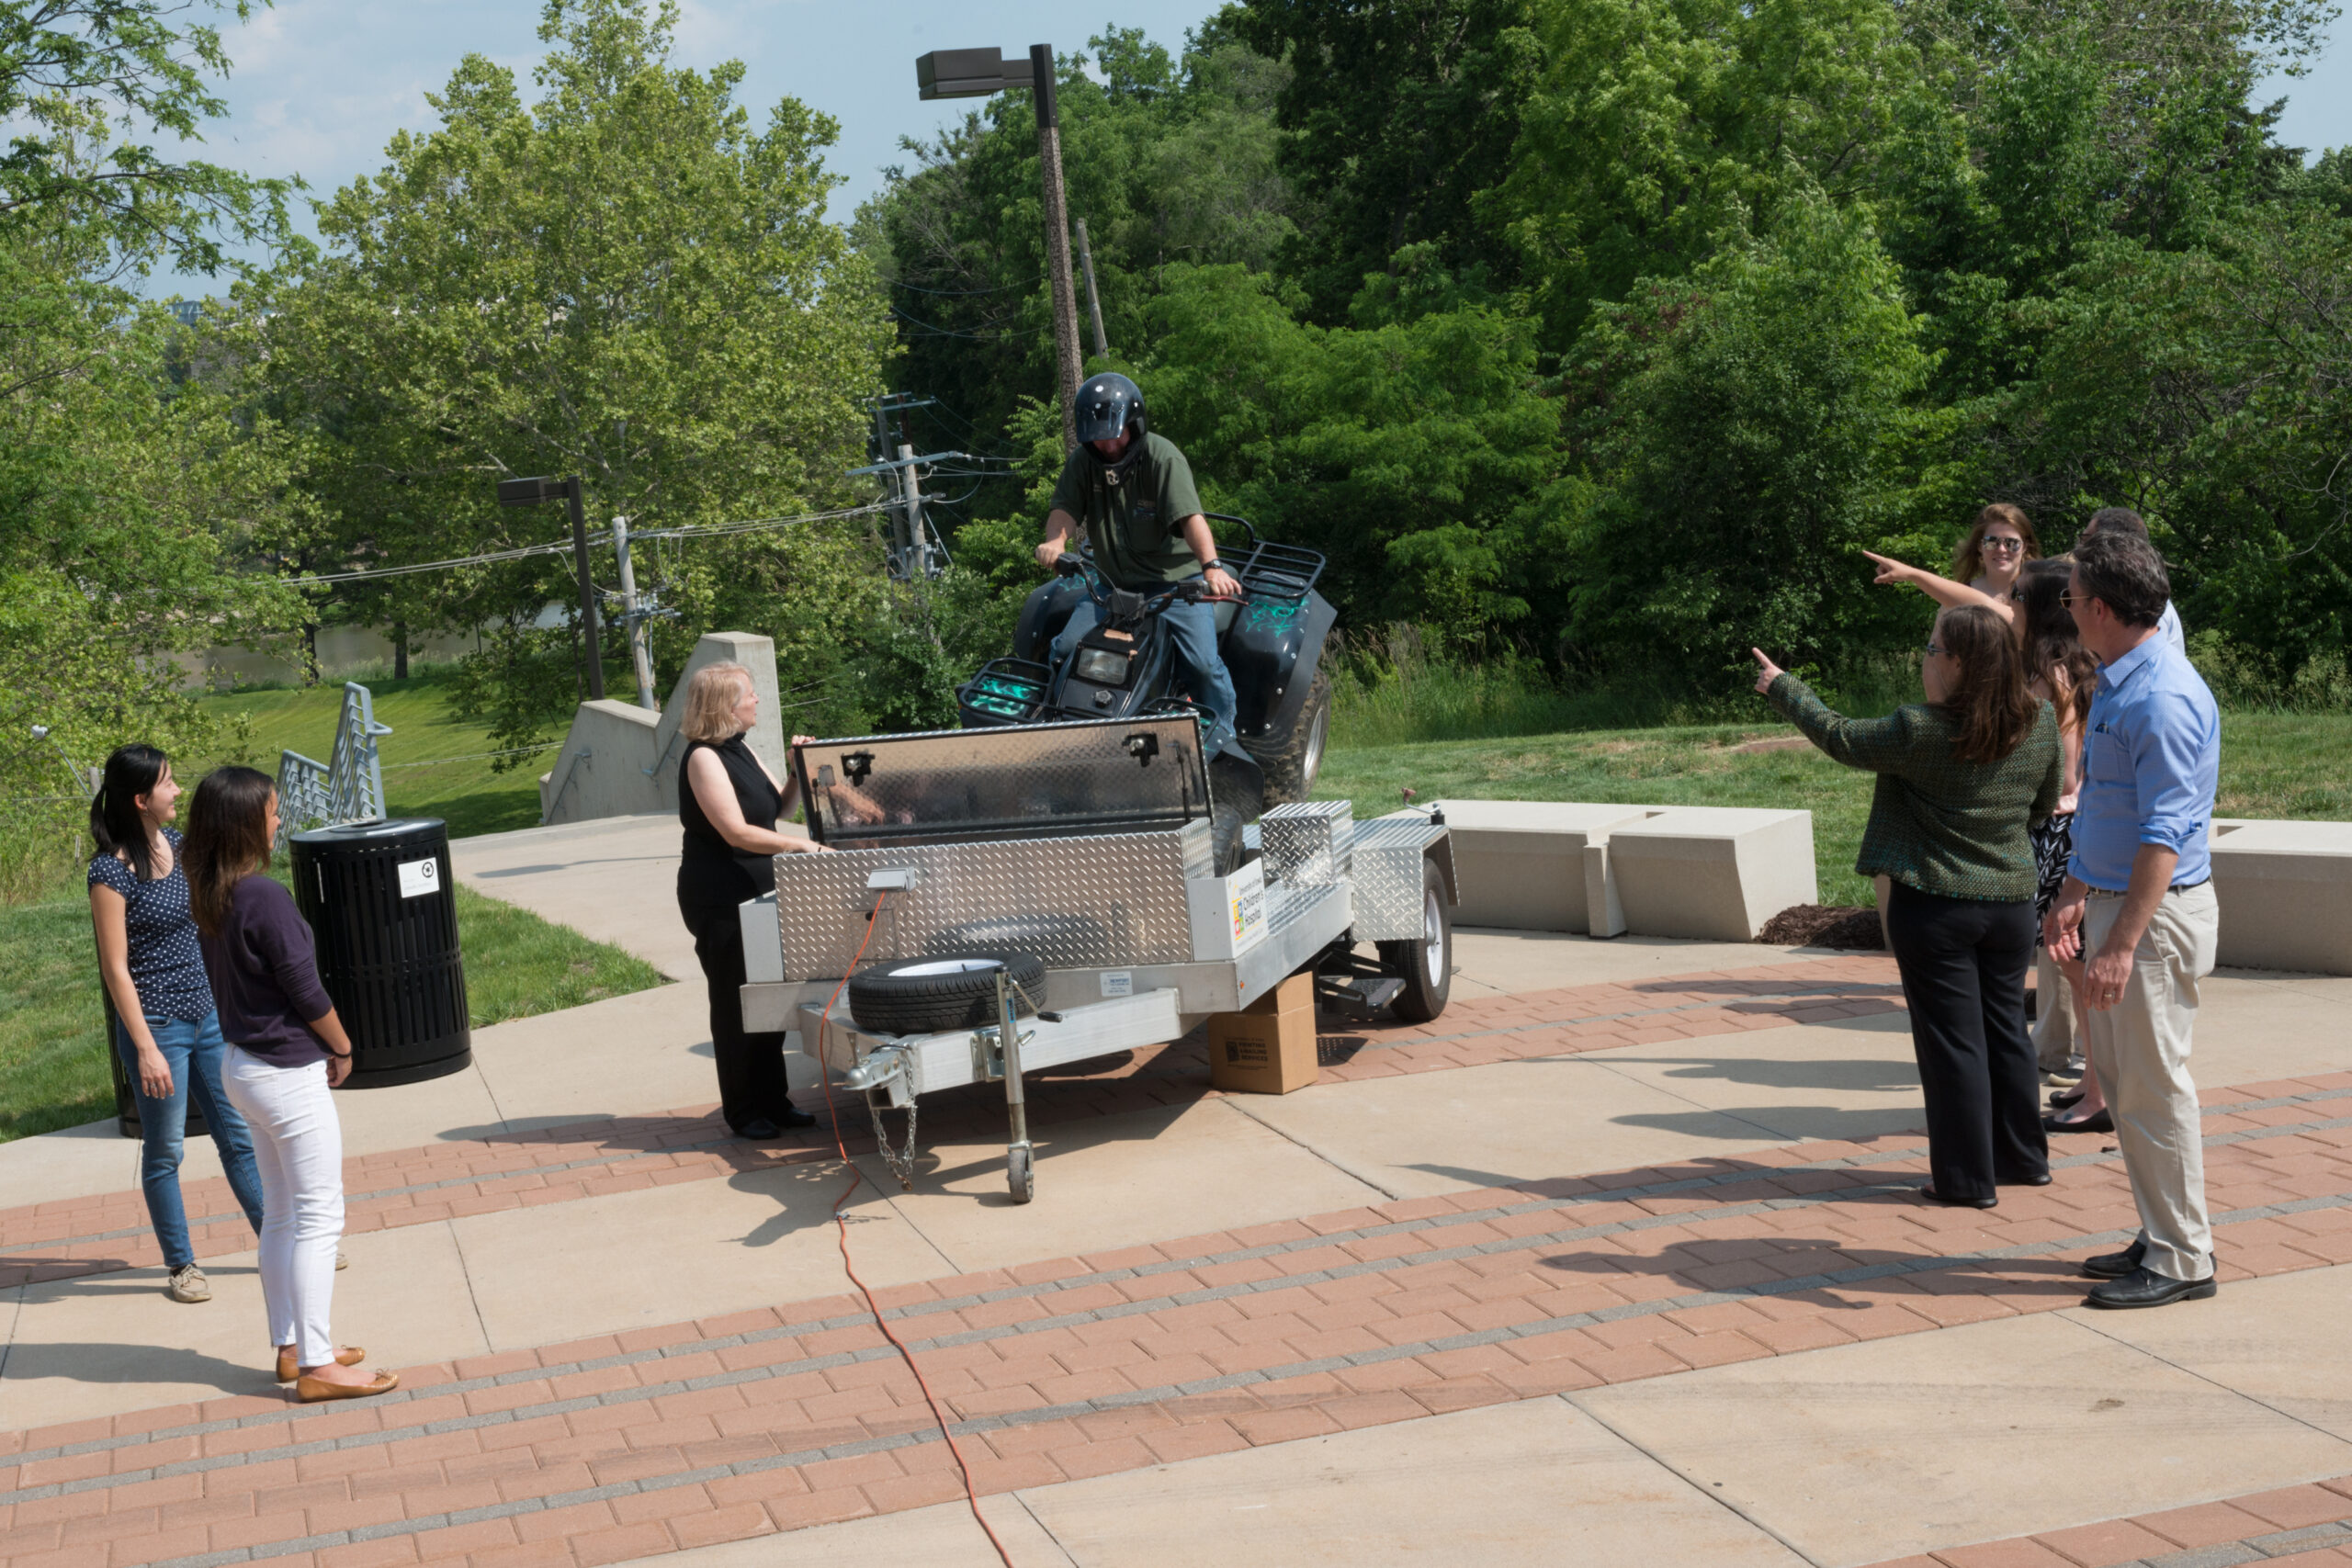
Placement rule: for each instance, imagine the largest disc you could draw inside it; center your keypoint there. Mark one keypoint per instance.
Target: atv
(1271, 639)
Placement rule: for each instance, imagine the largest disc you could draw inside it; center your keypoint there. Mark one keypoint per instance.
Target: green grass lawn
(419, 777)
(2273, 764)
(52, 1045)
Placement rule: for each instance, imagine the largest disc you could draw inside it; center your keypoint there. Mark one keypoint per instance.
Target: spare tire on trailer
(919, 996)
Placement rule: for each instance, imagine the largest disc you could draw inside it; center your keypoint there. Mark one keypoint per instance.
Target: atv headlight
(1104, 666)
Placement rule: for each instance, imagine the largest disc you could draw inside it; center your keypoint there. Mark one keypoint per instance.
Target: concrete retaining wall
(620, 760)
(1717, 872)
(2285, 891)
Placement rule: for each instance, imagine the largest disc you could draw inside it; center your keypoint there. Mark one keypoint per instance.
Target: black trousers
(1964, 964)
(751, 1083)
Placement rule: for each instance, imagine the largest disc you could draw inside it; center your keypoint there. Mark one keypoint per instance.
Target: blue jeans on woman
(193, 1052)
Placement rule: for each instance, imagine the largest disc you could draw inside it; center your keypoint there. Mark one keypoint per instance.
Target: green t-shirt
(1133, 525)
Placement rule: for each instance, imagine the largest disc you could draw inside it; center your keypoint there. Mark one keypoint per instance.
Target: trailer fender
(1271, 653)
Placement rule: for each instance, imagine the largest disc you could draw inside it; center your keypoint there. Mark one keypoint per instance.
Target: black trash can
(379, 900)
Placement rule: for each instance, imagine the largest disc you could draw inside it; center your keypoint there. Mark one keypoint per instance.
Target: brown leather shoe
(311, 1390)
(349, 1356)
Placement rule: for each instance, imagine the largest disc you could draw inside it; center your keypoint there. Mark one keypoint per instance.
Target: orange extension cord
(840, 1223)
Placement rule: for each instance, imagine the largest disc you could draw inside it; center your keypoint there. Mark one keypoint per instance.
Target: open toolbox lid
(1025, 781)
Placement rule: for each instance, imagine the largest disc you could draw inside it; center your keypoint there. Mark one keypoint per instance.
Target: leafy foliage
(627, 281)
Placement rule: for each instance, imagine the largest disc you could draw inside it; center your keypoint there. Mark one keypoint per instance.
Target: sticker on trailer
(1118, 983)
(1246, 895)
(419, 877)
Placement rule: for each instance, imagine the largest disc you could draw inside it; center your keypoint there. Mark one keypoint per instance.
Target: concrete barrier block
(620, 760)
(1604, 906)
(1520, 865)
(1712, 872)
(2285, 892)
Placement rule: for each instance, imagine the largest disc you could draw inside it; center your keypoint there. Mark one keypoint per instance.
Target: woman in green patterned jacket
(1962, 778)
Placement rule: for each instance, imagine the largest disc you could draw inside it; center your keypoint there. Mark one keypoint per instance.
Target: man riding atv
(1132, 492)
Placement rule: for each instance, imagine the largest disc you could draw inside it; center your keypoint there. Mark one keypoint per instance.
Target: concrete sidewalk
(1216, 1336)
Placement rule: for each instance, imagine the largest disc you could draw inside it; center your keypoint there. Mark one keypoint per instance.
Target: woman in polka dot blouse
(169, 1033)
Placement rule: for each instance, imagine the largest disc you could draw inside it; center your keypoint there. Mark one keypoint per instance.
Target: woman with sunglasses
(1962, 778)
(1984, 570)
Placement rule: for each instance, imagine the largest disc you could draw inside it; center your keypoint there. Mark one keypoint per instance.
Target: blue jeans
(1192, 629)
(194, 1051)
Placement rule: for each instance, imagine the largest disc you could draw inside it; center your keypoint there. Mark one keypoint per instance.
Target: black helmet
(1107, 405)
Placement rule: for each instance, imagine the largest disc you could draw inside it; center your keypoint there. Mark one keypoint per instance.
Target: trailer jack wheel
(1020, 1174)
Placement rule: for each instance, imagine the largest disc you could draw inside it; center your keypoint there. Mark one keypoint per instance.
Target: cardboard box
(1269, 1048)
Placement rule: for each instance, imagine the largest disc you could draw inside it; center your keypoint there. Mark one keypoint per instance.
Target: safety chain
(901, 1161)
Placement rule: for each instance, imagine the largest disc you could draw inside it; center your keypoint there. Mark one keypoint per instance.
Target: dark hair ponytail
(228, 841)
(116, 826)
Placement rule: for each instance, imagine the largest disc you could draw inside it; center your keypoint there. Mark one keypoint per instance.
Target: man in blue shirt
(2139, 902)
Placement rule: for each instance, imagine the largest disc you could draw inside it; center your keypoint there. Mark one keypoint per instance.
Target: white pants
(297, 1142)
(2140, 1049)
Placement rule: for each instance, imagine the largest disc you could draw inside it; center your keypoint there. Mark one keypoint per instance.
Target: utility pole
(631, 621)
(1049, 165)
(1093, 300)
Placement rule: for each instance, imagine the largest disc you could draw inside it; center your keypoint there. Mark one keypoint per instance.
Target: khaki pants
(2140, 1049)
(2054, 1036)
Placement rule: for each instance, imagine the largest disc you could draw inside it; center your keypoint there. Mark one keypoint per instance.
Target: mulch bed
(1825, 925)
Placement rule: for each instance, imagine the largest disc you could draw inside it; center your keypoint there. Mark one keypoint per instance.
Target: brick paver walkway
(479, 1175)
(2306, 1526)
(669, 1438)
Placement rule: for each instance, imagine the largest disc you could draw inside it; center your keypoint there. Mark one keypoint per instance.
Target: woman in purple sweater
(287, 1049)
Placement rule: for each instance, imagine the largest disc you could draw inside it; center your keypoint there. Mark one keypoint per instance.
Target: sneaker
(186, 1283)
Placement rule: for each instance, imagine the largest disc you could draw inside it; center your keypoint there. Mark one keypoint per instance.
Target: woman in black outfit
(729, 802)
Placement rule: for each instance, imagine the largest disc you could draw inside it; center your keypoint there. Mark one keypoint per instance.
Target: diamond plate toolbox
(1307, 843)
(1386, 871)
(1099, 901)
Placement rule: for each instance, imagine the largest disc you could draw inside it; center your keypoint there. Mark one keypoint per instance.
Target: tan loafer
(349, 1356)
(311, 1390)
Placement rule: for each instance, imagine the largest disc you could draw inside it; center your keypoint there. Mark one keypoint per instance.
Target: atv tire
(923, 996)
(1291, 765)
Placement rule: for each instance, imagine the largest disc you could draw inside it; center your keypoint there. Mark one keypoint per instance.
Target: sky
(320, 85)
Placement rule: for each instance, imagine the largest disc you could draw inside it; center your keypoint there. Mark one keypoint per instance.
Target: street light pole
(977, 74)
(1049, 168)
(530, 492)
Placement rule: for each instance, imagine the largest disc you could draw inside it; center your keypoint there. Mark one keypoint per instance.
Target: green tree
(136, 464)
(626, 280)
(1395, 118)
(1749, 428)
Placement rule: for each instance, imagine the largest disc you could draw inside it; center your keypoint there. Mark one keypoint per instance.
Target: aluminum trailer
(1087, 845)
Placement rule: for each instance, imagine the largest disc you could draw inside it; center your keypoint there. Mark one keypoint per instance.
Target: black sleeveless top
(710, 866)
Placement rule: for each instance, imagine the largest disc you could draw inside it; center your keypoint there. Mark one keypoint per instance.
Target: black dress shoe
(2042, 1180)
(2096, 1121)
(1932, 1196)
(2115, 1265)
(2061, 1098)
(2146, 1288)
(792, 1116)
(759, 1130)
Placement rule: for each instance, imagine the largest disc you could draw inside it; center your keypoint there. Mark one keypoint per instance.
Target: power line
(690, 531)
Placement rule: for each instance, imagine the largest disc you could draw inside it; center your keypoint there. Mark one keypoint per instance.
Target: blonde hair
(711, 696)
